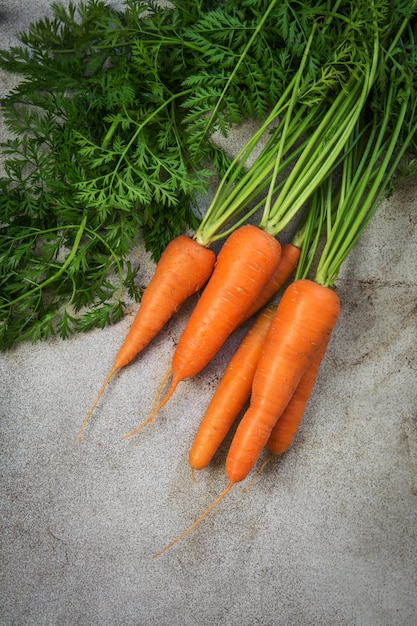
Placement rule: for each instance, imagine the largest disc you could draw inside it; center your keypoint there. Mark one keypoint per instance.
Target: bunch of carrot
(343, 156)
(303, 137)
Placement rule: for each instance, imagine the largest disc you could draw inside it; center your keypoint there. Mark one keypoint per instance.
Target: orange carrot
(305, 318)
(235, 386)
(285, 429)
(231, 394)
(290, 255)
(244, 265)
(184, 267)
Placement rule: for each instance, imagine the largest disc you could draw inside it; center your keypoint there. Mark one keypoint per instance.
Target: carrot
(305, 318)
(290, 254)
(235, 386)
(184, 267)
(285, 429)
(244, 264)
(231, 394)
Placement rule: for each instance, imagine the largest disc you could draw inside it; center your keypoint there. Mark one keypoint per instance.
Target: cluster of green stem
(335, 155)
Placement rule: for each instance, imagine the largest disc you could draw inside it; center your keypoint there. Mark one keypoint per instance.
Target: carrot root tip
(155, 410)
(93, 406)
(258, 473)
(197, 521)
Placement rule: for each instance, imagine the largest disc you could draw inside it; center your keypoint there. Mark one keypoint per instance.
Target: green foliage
(99, 131)
(111, 128)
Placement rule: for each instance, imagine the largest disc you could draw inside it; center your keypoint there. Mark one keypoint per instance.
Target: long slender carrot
(244, 265)
(184, 267)
(305, 318)
(231, 394)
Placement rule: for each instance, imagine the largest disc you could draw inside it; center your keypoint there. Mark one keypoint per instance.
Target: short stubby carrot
(285, 429)
(290, 255)
(231, 394)
(184, 268)
(305, 318)
(245, 263)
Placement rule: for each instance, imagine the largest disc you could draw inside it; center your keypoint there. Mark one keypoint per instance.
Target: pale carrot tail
(198, 520)
(93, 406)
(156, 409)
(258, 473)
(161, 386)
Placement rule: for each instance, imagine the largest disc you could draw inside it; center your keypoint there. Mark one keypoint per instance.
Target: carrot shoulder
(305, 318)
(231, 394)
(244, 265)
(184, 267)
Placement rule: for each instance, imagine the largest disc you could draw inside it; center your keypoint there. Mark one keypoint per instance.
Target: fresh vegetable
(245, 263)
(235, 385)
(305, 318)
(286, 427)
(340, 128)
(183, 269)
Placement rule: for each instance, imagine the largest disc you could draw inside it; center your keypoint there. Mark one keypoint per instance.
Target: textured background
(327, 536)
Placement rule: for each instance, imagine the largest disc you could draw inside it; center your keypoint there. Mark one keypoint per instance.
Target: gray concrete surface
(326, 537)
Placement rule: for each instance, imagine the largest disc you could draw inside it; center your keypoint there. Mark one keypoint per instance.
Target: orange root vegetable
(184, 267)
(290, 255)
(235, 386)
(305, 318)
(231, 394)
(285, 429)
(244, 265)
